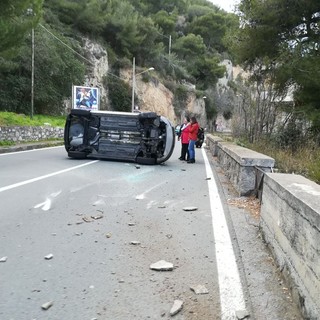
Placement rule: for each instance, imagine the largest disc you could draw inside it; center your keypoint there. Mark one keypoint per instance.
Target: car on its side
(145, 138)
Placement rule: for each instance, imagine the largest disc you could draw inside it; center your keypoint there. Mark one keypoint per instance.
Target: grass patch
(6, 143)
(14, 119)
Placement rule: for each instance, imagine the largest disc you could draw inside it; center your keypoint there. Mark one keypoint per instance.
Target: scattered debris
(109, 235)
(3, 259)
(209, 178)
(135, 243)
(121, 281)
(176, 308)
(100, 216)
(87, 219)
(242, 314)
(169, 236)
(199, 289)
(138, 167)
(47, 305)
(162, 207)
(162, 265)
(49, 256)
(190, 209)
(251, 204)
(131, 224)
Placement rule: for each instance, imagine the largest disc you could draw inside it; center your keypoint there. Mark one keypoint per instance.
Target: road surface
(78, 237)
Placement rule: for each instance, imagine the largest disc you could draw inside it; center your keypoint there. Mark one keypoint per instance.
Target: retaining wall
(22, 134)
(290, 221)
(239, 163)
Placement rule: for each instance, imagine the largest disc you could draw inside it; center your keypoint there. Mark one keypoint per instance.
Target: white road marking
(22, 183)
(231, 292)
(23, 151)
(45, 206)
(143, 195)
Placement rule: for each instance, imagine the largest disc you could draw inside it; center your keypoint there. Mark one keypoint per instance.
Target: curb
(30, 146)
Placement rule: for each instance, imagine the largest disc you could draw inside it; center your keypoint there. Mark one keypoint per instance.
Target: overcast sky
(227, 5)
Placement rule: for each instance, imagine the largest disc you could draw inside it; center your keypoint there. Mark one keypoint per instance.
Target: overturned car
(145, 138)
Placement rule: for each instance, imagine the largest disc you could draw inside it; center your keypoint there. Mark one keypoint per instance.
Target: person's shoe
(181, 159)
(191, 161)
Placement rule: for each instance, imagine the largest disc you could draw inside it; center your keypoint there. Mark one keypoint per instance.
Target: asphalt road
(104, 223)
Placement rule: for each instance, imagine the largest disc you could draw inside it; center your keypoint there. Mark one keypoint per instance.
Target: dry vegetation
(304, 161)
(250, 204)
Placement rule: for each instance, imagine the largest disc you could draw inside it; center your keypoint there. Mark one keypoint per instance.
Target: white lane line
(22, 183)
(24, 151)
(231, 292)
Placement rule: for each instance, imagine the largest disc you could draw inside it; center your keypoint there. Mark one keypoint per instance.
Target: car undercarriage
(145, 138)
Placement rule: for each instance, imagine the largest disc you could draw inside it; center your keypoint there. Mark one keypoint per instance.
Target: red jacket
(185, 135)
(193, 131)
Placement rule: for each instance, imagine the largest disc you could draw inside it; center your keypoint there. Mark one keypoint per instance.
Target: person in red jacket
(184, 137)
(193, 135)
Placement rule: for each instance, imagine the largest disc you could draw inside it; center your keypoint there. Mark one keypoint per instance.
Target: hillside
(182, 41)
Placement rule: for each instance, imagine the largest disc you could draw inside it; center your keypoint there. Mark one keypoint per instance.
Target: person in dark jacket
(193, 136)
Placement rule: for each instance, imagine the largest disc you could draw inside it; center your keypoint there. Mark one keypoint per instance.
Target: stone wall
(22, 134)
(239, 164)
(290, 221)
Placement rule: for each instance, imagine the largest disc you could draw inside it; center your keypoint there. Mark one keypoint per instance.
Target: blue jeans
(191, 149)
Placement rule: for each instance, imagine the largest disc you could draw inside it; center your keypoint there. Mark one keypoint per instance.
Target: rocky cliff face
(100, 66)
(196, 106)
(153, 96)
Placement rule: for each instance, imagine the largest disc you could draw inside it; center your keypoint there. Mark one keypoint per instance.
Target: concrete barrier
(239, 163)
(290, 221)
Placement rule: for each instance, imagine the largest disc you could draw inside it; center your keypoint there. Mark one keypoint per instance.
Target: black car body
(145, 138)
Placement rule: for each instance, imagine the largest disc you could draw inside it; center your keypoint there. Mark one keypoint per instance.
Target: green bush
(119, 94)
